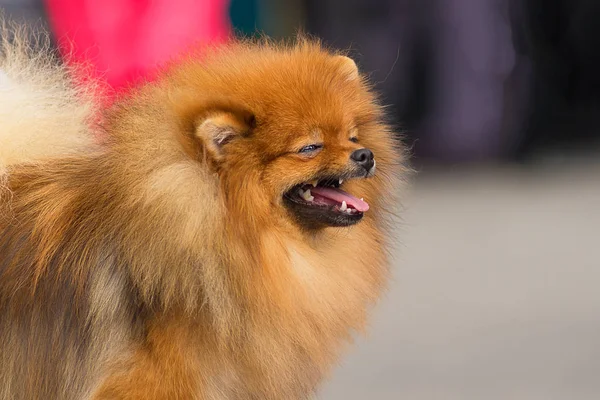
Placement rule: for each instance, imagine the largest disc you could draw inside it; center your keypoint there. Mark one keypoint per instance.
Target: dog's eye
(354, 139)
(310, 148)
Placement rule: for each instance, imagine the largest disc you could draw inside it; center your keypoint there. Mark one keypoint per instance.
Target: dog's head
(289, 130)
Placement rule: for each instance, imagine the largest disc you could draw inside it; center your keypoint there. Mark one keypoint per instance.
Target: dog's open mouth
(322, 202)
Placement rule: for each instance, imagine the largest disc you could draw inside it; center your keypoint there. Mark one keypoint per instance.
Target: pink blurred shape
(126, 40)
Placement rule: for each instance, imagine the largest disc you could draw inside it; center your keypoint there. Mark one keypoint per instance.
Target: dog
(217, 233)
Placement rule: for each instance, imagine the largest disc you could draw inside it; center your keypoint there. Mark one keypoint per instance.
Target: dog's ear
(220, 126)
(349, 68)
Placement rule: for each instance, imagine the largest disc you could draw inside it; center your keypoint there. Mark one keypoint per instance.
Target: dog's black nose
(363, 157)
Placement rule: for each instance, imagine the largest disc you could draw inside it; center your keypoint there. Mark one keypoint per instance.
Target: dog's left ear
(219, 127)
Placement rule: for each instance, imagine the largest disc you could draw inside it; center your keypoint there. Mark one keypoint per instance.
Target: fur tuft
(43, 114)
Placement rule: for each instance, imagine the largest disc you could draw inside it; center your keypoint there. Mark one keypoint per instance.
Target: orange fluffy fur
(162, 265)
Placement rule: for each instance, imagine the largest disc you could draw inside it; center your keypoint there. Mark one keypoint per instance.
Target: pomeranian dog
(218, 233)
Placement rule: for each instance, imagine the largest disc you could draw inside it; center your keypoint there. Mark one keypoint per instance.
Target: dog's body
(162, 262)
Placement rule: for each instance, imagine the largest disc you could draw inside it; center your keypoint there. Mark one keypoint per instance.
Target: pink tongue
(338, 196)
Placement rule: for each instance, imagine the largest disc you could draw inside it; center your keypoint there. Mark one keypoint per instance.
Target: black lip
(313, 216)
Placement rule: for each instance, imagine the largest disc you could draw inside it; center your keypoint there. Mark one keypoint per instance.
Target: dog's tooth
(301, 192)
(361, 199)
(341, 181)
(311, 198)
(307, 195)
(344, 206)
(315, 183)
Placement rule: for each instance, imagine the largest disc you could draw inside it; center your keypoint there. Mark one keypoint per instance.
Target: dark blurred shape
(244, 16)
(562, 39)
(281, 18)
(476, 80)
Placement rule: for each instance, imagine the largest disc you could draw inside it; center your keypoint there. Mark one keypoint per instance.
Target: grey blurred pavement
(496, 292)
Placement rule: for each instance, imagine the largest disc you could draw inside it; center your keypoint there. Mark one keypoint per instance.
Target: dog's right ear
(220, 126)
(348, 68)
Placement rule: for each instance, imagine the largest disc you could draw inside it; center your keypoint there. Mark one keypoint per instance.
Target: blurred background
(497, 268)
